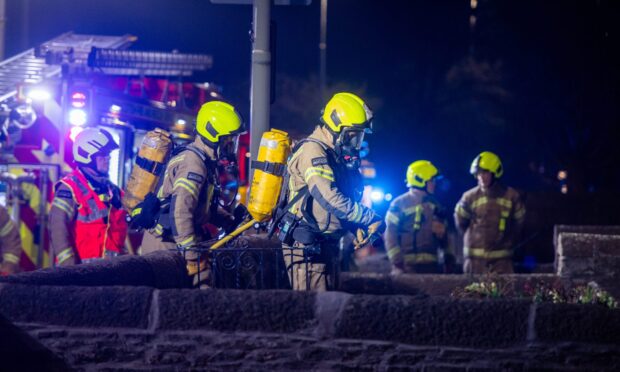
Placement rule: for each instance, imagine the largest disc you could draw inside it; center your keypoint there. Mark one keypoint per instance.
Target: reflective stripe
(357, 213)
(64, 255)
(158, 230)
(418, 217)
(187, 242)
(176, 159)
(520, 213)
(478, 202)
(504, 202)
(420, 258)
(321, 172)
(392, 218)
(483, 253)
(502, 224)
(11, 258)
(393, 252)
(187, 185)
(63, 206)
(6, 229)
(136, 212)
(462, 212)
(409, 211)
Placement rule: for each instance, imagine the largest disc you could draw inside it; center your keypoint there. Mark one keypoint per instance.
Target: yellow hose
(233, 234)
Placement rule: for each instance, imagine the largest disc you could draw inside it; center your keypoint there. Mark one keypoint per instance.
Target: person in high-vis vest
(86, 221)
(10, 244)
(491, 216)
(323, 198)
(416, 224)
(186, 192)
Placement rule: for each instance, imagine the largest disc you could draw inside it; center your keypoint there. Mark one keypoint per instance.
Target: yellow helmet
(420, 172)
(487, 161)
(346, 110)
(216, 119)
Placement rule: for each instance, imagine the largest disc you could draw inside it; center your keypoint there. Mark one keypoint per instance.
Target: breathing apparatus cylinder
(150, 163)
(269, 170)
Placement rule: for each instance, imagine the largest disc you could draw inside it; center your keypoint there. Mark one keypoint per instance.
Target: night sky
(536, 81)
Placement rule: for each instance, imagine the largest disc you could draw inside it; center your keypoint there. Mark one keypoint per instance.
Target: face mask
(348, 147)
(227, 148)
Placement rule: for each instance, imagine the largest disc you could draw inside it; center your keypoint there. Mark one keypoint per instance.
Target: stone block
(159, 269)
(579, 323)
(236, 310)
(576, 245)
(76, 306)
(434, 321)
(576, 267)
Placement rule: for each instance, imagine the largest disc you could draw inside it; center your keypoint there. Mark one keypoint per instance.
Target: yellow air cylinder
(150, 164)
(275, 147)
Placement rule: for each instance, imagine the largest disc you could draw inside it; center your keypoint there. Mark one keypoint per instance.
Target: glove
(375, 231)
(144, 214)
(361, 239)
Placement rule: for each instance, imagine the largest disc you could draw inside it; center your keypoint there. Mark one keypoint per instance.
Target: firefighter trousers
(310, 269)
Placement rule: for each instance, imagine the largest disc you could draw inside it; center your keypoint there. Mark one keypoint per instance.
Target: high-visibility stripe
(483, 253)
(357, 213)
(420, 258)
(504, 202)
(502, 224)
(11, 258)
(188, 185)
(478, 202)
(63, 206)
(187, 241)
(409, 211)
(64, 255)
(418, 217)
(392, 218)
(393, 252)
(176, 159)
(462, 212)
(321, 172)
(6, 229)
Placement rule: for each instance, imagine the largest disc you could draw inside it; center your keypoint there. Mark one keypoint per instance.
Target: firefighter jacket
(86, 220)
(333, 190)
(188, 184)
(409, 236)
(491, 220)
(10, 243)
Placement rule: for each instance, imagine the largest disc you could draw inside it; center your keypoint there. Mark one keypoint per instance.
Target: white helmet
(91, 142)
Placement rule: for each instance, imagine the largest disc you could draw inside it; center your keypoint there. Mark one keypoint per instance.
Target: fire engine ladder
(41, 63)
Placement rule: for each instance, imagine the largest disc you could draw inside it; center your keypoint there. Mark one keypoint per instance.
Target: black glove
(144, 215)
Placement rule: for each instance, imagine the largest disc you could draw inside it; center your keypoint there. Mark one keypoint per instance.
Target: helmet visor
(352, 138)
(228, 146)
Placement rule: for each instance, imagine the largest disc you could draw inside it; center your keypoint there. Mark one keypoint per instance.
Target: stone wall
(141, 328)
(588, 251)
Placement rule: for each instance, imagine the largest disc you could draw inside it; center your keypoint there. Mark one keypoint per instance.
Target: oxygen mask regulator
(348, 145)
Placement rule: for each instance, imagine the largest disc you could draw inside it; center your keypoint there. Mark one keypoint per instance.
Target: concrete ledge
(588, 255)
(124, 307)
(159, 269)
(236, 310)
(435, 321)
(580, 323)
(584, 229)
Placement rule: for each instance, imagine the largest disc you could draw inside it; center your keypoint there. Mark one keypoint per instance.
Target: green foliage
(495, 287)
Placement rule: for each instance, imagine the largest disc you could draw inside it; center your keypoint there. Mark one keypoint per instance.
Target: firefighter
(186, 193)
(416, 224)
(491, 216)
(86, 221)
(10, 244)
(323, 194)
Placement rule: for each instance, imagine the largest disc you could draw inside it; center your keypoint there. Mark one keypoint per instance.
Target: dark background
(537, 82)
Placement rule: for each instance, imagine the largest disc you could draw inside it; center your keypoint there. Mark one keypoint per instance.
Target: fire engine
(50, 93)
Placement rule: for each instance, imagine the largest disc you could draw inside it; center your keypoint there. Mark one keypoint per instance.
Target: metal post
(323, 51)
(2, 27)
(261, 74)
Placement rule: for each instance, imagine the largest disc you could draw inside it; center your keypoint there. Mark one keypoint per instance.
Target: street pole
(261, 74)
(323, 51)
(2, 27)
